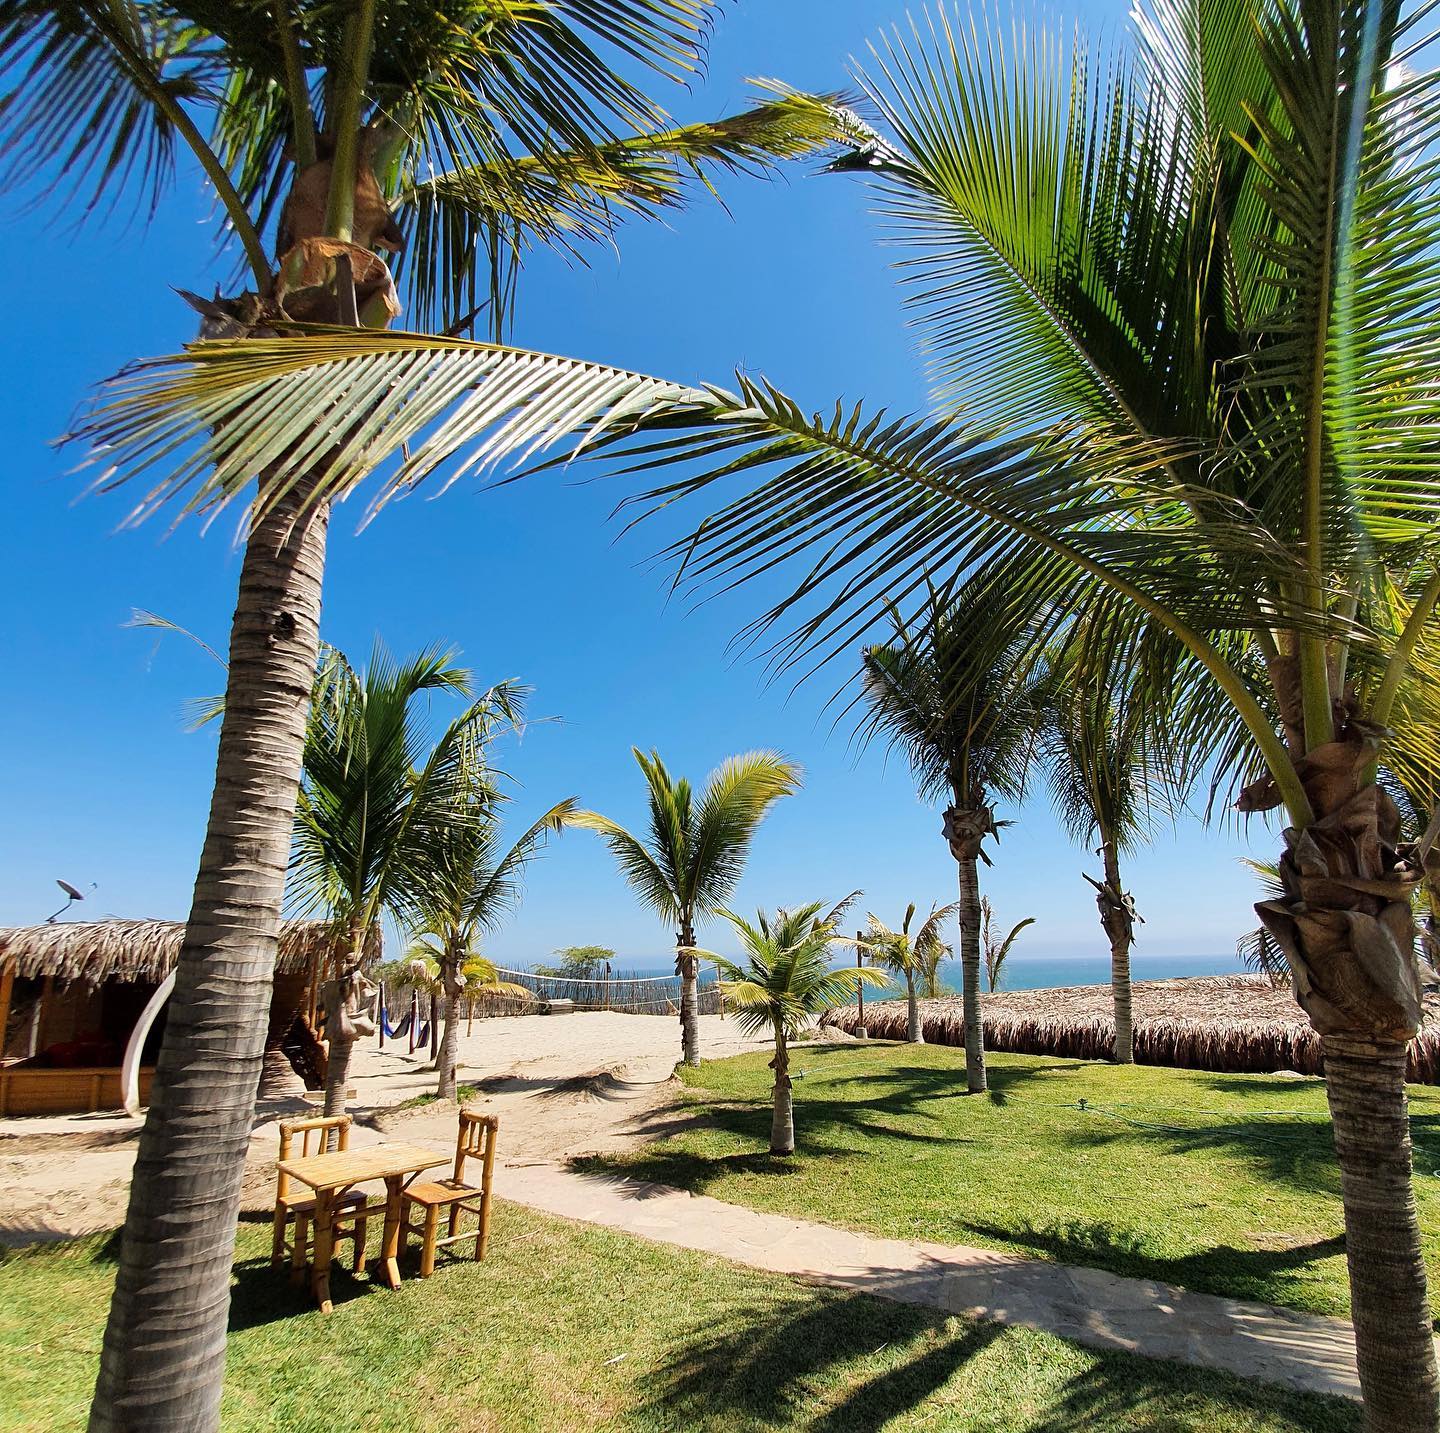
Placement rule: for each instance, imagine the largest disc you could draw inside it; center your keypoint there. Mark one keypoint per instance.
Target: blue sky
(535, 581)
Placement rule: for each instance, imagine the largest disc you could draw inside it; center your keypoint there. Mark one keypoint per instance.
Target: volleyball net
(626, 992)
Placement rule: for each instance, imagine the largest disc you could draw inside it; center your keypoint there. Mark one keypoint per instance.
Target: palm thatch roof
(97, 951)
(1226, 1023)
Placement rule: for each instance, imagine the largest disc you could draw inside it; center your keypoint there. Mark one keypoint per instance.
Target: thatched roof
(96, 951)
(1235, 1023)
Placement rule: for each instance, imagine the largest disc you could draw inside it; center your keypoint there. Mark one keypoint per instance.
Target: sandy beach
(561, 1084)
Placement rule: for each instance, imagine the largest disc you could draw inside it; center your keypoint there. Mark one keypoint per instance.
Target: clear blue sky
(99, 782)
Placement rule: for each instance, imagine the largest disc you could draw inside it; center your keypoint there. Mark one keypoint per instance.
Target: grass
(569, 1327)
(1179, 1175)
(463, 1094)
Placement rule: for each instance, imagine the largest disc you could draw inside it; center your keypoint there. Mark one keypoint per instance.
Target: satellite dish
(73, 896)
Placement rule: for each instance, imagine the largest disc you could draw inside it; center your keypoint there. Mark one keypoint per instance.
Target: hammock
(422, 1036)
(396, 1032)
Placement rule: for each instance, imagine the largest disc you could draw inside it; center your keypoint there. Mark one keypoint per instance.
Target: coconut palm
(952, 703)
(1180, 307)
(696, 852)
(915, 958)
(467, 133)
(472, 883)
(994, 947)
(784, 982)
(1098, 749)
(378, 800)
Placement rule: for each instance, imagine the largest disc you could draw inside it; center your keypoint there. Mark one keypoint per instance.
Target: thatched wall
(1230, 1024)
(138, 950)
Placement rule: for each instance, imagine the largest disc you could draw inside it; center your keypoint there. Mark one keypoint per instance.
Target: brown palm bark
(454, 987)
(1117, 919)
(162, 1361)
(1346, 928)
(914, 1031)
(965, 830)
(687, 967)
(782, 1120)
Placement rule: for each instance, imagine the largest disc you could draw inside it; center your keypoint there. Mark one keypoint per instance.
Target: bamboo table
(330, 1175)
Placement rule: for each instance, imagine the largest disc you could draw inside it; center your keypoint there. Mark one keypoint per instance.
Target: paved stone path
(1300, 1351)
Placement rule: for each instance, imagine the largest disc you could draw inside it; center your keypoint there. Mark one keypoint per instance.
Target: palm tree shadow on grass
(766, 1363)
(766, 1360)
(1299, 1155)
(1261, 1274)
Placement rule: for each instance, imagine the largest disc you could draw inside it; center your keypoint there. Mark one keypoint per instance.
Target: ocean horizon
(1030, 972)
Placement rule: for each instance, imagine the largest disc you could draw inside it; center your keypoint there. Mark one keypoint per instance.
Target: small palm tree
(960, 711)
(471, 885)
(995, 949)
(915, 958)
(377, 801)
(784, 983)
(696, 852)
(1098, 745)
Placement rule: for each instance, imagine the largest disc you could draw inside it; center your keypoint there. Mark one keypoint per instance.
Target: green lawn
(572, 1328)
(1171, 1174)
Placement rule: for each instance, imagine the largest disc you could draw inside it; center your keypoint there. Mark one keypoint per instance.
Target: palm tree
(994, 948)
(953, 704)
(914, 957)
(471, 885)
(376, 806)
(1180, 307)
(1099, 756)
(469, 134)
(696, 852)
(784, 983)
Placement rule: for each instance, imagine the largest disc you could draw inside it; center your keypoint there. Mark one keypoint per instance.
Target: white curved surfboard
(130, 1065)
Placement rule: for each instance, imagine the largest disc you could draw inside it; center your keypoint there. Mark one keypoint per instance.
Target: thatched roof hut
(71, 994)
(139, 950)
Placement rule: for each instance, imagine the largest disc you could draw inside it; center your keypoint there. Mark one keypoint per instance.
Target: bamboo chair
(476, 1140)
(299, 1209)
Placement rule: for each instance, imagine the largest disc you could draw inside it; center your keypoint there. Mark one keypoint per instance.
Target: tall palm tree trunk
(914, 1031)
(162, 1361)
(1365, 1084)
(965, 830)
(337, 1068)
(782, 1121)
(1117, 918)
(1346, 927)
(975, 1078)
(687, 967)
(454, 987)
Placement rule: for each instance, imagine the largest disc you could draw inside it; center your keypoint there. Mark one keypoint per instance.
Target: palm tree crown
(956, 707)
(697, 846)
(380, 796)
(786, 979)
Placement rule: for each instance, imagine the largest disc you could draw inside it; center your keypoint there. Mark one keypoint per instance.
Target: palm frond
(477, 223)
(336, 406)
(734, 802)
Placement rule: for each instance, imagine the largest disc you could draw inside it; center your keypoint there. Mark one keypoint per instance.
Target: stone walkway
(1300, 1351)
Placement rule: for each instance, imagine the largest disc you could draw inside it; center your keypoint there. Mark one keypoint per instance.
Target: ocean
(1031, 972)
(1039, 972)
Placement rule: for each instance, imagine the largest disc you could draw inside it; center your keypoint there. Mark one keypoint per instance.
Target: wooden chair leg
(277, 1237)
(427, 1250)
(298, 1249)
(486, 1181)
(358, 1262)
(453, 1227)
